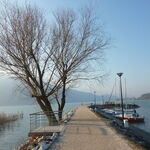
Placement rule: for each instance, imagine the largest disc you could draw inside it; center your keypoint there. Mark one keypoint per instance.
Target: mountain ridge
(9, 95)
(145, 96)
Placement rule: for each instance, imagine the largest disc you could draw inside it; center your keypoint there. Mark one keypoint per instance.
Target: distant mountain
(10, 95)
(80, 96)
(145, 96)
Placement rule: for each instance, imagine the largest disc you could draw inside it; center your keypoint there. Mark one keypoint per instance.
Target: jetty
(87, 131)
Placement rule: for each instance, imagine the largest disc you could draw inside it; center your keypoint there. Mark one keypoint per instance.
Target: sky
(127, 22)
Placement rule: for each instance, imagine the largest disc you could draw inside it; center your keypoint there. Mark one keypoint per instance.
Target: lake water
(16, 132)
(145, 111)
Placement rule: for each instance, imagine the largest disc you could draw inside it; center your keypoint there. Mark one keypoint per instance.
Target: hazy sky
(128, 24)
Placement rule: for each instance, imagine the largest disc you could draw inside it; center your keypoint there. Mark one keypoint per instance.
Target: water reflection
(14, 133)
(8, 134)
(9, 126)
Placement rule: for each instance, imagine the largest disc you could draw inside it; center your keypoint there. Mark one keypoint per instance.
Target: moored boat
(132, 118)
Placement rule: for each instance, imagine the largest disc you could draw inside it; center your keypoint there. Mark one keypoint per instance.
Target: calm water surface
(14, 133)
(145, 111)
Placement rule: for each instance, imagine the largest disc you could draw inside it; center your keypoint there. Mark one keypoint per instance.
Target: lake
(16, 132)
(145, 111)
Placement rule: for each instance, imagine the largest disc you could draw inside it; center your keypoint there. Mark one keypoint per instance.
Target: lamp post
(120, 74)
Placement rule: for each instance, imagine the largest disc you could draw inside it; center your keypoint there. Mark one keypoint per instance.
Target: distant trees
(46, 58)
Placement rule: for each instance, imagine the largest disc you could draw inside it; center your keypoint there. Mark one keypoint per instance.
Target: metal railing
(41, 119)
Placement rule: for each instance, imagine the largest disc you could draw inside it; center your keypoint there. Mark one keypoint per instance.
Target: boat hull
(131, 120)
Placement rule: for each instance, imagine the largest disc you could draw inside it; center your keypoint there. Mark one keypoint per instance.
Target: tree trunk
(63, 99)
(60, 113)
(48, 111)
(52, 120)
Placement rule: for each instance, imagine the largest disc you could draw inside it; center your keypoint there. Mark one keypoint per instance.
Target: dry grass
(7, 118)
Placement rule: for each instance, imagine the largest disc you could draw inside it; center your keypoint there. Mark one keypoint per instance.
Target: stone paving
(87, 131)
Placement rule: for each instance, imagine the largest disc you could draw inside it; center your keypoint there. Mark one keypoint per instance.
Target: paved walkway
(86, 131)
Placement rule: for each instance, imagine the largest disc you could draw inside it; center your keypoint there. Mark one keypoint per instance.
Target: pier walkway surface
(87, 131)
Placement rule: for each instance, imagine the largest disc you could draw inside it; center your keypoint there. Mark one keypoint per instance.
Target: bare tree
(79, 41)
(26, 50)
(48, 58)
